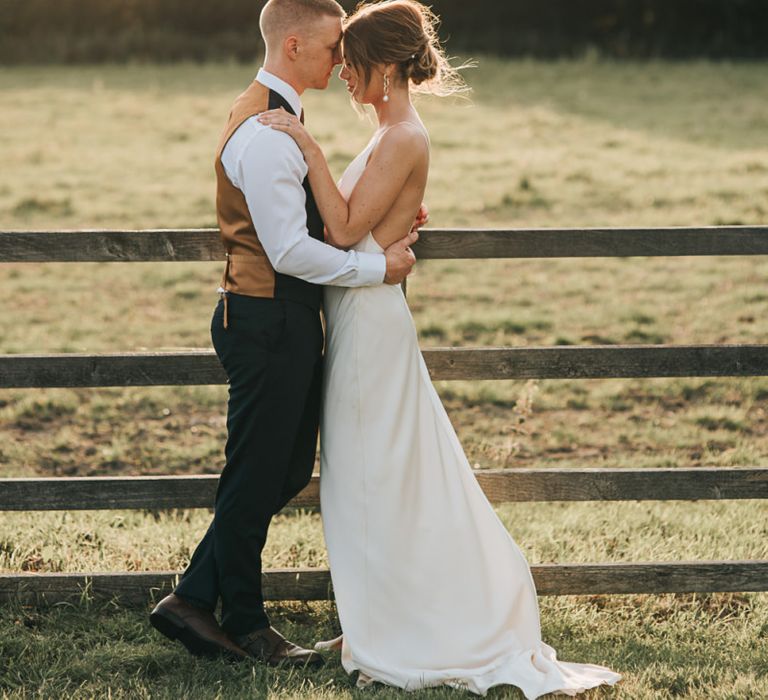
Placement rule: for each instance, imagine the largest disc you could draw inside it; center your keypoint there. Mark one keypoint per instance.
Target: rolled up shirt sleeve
(268, 167)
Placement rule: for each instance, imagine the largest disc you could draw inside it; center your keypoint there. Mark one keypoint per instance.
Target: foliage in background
(168, 30)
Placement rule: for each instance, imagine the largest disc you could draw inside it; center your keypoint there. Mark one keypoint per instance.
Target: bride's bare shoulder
(405, 137)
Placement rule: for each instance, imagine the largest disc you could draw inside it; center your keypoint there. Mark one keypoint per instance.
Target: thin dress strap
(375, 142)
(392, 126)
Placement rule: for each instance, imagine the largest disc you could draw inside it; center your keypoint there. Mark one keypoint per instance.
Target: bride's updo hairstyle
(403, 33)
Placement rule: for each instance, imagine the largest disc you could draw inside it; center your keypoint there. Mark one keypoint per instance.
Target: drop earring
(386, 88)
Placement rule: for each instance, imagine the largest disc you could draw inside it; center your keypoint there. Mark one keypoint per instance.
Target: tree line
(74, 31)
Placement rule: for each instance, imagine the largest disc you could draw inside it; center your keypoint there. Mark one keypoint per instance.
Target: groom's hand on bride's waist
(400, 259)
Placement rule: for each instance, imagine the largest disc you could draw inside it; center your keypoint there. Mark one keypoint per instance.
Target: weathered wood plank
(651, 577)
(592, 242)
(139, 587)
(601, 484)
(599, 361)
(128, 492)
(568, 362)
(499, 485)
(315, 584)
(125, 369)
(159, 245)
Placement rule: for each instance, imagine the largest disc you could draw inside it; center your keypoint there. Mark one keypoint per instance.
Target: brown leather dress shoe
(269, 646)
(195, 628)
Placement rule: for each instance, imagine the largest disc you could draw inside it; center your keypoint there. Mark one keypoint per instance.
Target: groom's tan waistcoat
(248, 270)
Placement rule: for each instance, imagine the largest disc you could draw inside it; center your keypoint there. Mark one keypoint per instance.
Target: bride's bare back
(411, 140)
(389, 191)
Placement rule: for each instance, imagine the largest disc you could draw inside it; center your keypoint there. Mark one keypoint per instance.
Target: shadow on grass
(101, 649)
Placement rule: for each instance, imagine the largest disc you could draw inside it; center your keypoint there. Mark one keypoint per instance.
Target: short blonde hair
(279, 17)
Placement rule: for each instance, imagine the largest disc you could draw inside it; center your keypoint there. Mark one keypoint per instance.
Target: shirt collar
(281, 87)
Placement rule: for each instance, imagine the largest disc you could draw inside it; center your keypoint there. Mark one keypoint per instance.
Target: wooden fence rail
(176, 245)
(501, 485)
(562, 362)
(315, 583)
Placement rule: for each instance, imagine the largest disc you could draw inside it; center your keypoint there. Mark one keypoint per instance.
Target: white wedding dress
(430, 587)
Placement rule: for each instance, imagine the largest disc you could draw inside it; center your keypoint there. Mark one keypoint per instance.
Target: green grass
(540, 144)
(686, 646)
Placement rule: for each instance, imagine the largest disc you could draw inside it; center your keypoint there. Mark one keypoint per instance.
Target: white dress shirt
(267, 166)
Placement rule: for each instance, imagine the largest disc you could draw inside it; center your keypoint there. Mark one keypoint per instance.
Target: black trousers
(272, 354)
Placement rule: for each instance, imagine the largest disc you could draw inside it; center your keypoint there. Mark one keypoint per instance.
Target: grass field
(539, 144)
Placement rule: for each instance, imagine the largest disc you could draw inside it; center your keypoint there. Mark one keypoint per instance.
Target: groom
(268, 336)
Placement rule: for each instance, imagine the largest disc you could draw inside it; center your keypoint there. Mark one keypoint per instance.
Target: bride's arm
(374, 194)
(391, 162)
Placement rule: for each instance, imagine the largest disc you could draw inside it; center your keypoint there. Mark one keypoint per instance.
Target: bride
(430, 587)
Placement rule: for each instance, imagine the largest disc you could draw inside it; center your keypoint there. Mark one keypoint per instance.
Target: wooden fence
(500, 485)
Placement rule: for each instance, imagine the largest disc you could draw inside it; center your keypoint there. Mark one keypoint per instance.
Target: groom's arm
(268, 168)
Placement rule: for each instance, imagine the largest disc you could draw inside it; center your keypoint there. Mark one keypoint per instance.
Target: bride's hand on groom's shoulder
(281, 120)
